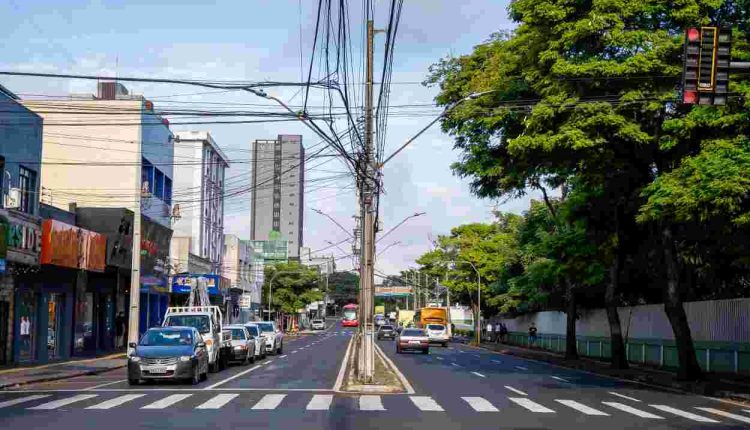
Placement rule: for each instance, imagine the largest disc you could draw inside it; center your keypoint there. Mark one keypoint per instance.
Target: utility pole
(135, 263)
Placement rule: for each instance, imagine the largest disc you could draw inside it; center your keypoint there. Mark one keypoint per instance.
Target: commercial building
(199, 187)
(244, 303)
(104, 154)
(278, 188)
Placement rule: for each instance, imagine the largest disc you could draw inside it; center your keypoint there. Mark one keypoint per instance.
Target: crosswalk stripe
(515, 390)
(532, 406)
(479, 374)
(559, 378)
(623, 396)
(581, 407)
(167, 401)
(426, 403)
(370, 403)
(117, 401)
(632, 410)
(726, 414)
(63, 402)
(480, 404)
(683, 414)
(521, 368)
(217, 401)
(23, 400)
(269, 401)
(320, 402)
(439, 358)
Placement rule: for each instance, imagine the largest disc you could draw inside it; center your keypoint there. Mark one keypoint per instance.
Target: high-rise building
(278, 186)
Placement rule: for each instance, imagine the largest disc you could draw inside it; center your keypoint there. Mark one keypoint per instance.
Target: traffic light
(705, 66)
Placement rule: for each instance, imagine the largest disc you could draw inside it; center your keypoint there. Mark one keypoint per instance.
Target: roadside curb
(61, 377)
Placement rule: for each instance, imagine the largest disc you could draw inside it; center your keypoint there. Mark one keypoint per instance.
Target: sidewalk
(718, 385)
(14, 377)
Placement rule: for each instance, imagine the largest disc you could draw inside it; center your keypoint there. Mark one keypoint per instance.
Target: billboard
(215, 284)
(69, 246)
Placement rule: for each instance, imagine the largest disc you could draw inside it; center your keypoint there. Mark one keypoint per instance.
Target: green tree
(294, 286)
(343, 288)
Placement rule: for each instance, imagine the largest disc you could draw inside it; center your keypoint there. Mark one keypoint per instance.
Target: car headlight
(185, 358)
(240, 347)
(135, 358)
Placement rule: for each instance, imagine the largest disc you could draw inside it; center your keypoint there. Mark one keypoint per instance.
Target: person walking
(120, 329)
(503, 332)
(532, 335)
(498, 328)
(488, 331)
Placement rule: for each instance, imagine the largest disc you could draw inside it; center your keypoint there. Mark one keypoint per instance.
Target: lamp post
(479, 300)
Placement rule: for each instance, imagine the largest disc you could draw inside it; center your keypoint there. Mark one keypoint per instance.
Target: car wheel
(133, 381)
(252, 358)
(281, 348)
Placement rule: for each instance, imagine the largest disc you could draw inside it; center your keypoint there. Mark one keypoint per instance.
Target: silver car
(274, 336)
(413, 339)
(243, 345)
(259, 339)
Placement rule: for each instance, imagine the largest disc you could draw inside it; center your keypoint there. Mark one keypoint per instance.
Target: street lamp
(479, 300)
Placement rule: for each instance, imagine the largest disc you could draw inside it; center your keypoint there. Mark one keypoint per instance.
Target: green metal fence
(712, 356)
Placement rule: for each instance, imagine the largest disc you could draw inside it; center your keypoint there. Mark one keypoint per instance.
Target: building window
(167, 191)
(159, 184)
(147, 175)
(27, 183)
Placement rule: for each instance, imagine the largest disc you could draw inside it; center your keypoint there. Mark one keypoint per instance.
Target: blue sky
(260, 40)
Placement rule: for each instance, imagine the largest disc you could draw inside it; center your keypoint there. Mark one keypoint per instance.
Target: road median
(387, 379)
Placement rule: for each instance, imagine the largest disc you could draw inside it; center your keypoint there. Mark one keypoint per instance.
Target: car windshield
(237, 334)
(435, 327)
(265, 327)
(253, 330)
(167, 338)
(201, 322)
(350, 315)
(412, 332)
(386, 328)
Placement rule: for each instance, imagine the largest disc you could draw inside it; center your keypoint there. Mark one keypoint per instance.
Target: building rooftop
(201, 136)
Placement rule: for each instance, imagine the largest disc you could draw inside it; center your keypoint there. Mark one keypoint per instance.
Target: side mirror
(201, 345)
(132, 344)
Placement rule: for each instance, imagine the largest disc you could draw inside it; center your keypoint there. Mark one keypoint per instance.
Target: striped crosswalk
(321, 402)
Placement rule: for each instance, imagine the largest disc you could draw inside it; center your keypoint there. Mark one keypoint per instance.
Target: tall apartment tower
(278, 168)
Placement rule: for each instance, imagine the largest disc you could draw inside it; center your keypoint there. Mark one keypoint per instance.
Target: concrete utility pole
(135, 262)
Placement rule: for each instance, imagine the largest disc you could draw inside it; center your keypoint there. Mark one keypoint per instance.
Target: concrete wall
(230, 267)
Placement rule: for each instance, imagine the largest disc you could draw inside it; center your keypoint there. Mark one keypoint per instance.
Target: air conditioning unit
(13, 199)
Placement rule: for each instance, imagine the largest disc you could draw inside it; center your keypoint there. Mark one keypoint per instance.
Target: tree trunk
(689, 368)
(571, 346)
(619, 357)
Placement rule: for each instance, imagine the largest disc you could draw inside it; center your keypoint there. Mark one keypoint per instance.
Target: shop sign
(69, 246)
(246, 301)
(20, 240)
(24, 237)
(184, 283)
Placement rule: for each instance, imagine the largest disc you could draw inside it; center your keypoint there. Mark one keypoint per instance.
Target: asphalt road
(455, 388)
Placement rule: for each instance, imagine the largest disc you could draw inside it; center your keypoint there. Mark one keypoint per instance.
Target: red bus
(351, 316)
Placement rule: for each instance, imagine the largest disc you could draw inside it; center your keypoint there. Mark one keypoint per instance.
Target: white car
(259, 339)
(437, 333)
(318, 325)
(274, 336)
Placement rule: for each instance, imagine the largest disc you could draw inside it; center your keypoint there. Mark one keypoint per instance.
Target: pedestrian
(120, 329)
(26, 332)
(503, 332)
(532, 335)
(488, 331)
(498, 330)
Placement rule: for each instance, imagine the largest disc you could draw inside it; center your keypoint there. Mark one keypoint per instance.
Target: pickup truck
(208, 320)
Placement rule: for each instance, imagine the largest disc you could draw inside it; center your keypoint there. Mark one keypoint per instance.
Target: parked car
(243, 345)
(259, 339)
(274, 336)
(208, 320)
(318, 325)
(386, 331)
(413, 339)
(438, 333)
(168, 353)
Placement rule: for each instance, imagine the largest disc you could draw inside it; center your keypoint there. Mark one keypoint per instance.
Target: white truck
(208, 320)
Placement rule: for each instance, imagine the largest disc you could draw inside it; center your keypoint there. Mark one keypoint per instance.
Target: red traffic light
(693, 35)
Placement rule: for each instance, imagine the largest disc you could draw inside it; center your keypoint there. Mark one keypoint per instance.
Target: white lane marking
(623, 396)
(632, 410)
(342, 369)
(559, 378)
(217, 402)
(477, 356)
(282, 356)
(746, 410)
(104, 385)
(480, 404)
(532, 406)
(370, 403)
(294, 352)
(457, 365)
(515, 390)
(117, 401)
(495, 361)
(426, 403)
(167, 401)
(479, 374)
(726, 414)
(521, 368)
(224, 381)
(23, 400)
(320, 402)
(269, 401)
(63, 402)
(684, 414)
(581, 407)
(439, 358)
